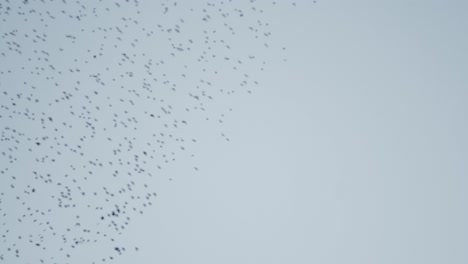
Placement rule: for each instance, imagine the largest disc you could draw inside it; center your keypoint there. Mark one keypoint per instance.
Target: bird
(98, 99)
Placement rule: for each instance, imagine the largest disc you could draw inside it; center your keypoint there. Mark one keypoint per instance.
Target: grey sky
(353, 150)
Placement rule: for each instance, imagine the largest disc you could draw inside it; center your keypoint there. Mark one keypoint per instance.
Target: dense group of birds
(98, 97)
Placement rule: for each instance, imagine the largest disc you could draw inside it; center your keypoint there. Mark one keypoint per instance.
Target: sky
(352, 149)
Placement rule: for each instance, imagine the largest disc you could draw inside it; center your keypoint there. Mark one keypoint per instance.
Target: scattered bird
(97, 98)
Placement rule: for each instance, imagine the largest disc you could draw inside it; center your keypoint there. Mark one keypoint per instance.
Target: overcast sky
(353, 149)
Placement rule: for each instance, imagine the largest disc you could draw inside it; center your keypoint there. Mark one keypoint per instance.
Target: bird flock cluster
(98, 97)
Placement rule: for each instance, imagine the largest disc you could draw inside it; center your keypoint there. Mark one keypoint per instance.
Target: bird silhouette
(98, 98)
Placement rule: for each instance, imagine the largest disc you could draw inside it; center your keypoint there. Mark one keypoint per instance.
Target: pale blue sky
(353, 150)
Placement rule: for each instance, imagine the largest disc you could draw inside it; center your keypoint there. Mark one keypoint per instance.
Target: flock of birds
(98, 97)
